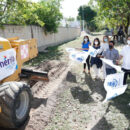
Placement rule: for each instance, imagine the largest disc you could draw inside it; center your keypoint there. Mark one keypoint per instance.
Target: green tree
(21, 12)
(87, 14)
(18, 12)
(115, 12)
(49, 13)
(70, 19)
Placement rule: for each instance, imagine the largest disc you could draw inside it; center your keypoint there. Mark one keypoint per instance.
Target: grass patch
(53, 53)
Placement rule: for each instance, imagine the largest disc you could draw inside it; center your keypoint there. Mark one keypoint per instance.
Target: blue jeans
(110, 71)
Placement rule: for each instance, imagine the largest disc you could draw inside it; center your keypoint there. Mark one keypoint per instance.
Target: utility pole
(83, 17)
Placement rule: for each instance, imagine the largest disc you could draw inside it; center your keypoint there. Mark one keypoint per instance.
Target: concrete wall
(27, 32)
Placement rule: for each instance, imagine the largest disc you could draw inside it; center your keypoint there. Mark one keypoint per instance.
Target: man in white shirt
(125, 54)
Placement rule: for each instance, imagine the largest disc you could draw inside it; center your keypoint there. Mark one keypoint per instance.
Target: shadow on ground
(77, 92)
(123, 104)
(103, 125)
(37, 102)
(95, 85)
(83, 96)
(71, 77)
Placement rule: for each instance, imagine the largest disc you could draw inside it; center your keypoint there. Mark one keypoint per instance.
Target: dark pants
(115, 37)
(127, 72)
(110, 71)
(88, 63)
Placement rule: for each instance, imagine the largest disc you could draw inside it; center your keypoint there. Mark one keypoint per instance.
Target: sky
(70, 7)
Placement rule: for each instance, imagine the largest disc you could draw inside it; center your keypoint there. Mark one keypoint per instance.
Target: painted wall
(44, 40)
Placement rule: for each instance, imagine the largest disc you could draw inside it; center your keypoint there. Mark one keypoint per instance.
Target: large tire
(15, 101)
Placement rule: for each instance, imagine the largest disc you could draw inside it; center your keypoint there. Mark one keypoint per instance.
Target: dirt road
(72, 100)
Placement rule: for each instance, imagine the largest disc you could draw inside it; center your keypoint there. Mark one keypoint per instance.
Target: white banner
(70, 50)
(81, 56)
(93, 52)
(8, 63)
(78, 56)
(110, 62)
(114, 85)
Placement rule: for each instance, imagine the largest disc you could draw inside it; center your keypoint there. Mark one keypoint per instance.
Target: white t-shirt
(126, 57)
(104, 47)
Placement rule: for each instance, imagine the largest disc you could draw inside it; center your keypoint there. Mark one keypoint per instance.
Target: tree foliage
(70, 19)
(115, 13)
(22, 12)
(88, 14)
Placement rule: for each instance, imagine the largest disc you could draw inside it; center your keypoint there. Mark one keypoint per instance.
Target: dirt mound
(54, 68)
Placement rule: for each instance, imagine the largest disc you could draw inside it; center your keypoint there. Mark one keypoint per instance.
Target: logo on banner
(73, 55)
(70, 50)
(80, 59)
(93, 53)
(8, 62)
(113, 84)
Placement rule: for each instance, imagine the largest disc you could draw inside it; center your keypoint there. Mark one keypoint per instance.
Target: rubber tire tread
(8, 98)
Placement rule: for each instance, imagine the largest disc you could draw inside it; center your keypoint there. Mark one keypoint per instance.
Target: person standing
(121, 34)
(95, 62)
(125, 54)
(111, 54)
(103, 48)
(85, 47)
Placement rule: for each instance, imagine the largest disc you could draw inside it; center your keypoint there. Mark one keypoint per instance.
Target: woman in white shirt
(125, 54)
(104, 47)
